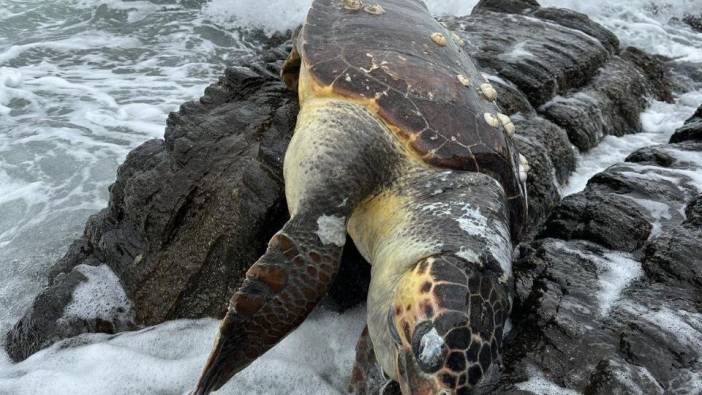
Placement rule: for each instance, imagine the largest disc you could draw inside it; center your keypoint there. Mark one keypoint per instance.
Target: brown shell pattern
(394, 59)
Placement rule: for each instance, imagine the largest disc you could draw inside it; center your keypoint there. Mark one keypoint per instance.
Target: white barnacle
(524, 162)
(488, 91)
(375, 9)
(331, 230)
(463, 79)
(492, 119)
(439, 39)
(353, 5)
(430, 347)
(523, 173)
(507, 124)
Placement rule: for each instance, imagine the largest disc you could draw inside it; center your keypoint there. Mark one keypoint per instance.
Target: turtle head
(446, 321)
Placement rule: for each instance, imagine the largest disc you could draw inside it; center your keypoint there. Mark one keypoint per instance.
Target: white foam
(688, 382)
(684, 326)
(518, 52)
(631, 377)
(538, 384)
(168, 358)
(659, 122)
(615, 272)
(687, 180)
(637, 24)
(100, 297)
(659, 212)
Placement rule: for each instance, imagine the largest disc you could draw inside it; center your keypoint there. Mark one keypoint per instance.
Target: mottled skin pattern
(455, 224)
(437, 231)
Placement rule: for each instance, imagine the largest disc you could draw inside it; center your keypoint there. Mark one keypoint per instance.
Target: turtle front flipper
(441, 250)
(328, 170)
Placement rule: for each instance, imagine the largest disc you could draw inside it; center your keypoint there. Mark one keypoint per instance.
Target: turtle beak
(411, 378)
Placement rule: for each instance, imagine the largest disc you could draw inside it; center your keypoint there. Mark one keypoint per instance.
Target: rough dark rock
(42, 325)
(510, 99)
(188, 198)
(617, 180)
(565, 331)
(554, 139)
(651, 156)
(611, 103)
(506, 6)
(692, 130)
(694, 21)
(600, 306)
(693, 212)
(607, 219)
(675, 257)
(579, 21)
(655, 70)
(541, 58)
(566, 66)
(541, 184)
(551, 158)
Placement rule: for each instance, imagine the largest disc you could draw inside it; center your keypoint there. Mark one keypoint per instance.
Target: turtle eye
(429, 347)
(393, 329)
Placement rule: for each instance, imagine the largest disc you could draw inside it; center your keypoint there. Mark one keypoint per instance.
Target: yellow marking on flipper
(373, 220)
(408, 289)
(382, 228)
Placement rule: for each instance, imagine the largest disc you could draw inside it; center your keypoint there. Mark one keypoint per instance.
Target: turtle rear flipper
(328, 171)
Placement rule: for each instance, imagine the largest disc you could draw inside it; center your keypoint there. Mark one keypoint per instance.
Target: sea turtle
(399, 143)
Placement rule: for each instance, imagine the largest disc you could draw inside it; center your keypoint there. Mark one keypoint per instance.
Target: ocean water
(82, 82)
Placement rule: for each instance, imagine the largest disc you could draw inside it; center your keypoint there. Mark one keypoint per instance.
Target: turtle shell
(394, 56)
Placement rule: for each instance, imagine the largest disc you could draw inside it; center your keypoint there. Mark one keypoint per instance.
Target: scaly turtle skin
(398, 142)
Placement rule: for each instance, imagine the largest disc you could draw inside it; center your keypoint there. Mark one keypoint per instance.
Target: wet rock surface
(608, 295)
(607, 219)
(692, 130)
(189, 214)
